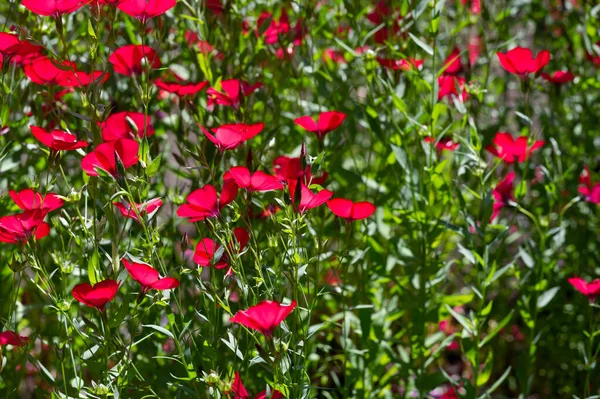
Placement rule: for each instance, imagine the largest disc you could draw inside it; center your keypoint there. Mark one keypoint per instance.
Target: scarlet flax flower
(57, 140)
(237, 388)
(104, 157)
(15, 50)
(590, 191)
(349, 210)
(503, 194)
(148, 277)
(229, 137)
(126, 125)
(29, 200)
(308, 199)
(327, 122)
(146, 9)
(590, 290)
(408, 64)
(443, 144)
(448, 87)
(96, 296)
(147, 208)
(559, 77)
(130, 60)
(505, 147)
(255, 182)
(264, 317)
(17, 229)
(520, 61)
(206, 249)
(204, 203)
(290, 169)
(231, 95)
(180, 89)
(53, 8)
(12, 338)
(453, 63)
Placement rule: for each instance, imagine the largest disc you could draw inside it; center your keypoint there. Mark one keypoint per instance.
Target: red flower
(503, 194)
(332, 277)
(180, 89)
(290, 170)
(275, 394)
(96, 296)
(203, 202)
(45, 71)
(327, 122)
(263, 317)
(475, 5)
(12, 338)
(474, 49)
(146, 9)
(148, 207)
(148, 277)
(276, 28)
(510, 150)
(520, 61)
(127, 60)
(444, 143)
(453, 63)
(335, 56)
(590, 290)
(57, 140)
(29, 200)
(447, 86)
(349, 210)
(104, 157)
(126, 125)
(590, 192)
(237, 388)
(206, 249)
(258, 181)
(16, 50)
(402, 65)
(559, 77)
(17, 229)
(53, 8)
(228, 137)
(308, 199)
(231, 95)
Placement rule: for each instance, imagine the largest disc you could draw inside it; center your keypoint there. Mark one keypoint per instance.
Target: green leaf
(486, 372)
(160, 329)
(466, 323)
(546, 297)
(499, 327)
(426, 47)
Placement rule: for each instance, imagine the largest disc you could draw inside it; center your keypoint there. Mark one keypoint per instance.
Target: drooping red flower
(148, 277)
(308, 199)
(45, 71)
(290, 170)
(590, 192)
(203, 203)
(327, 122)
(12, 338)
(146, 9)
(448, 87)
(264, 317)
(180, 89)
(349, 210)
(29, 200)
(17, 229)
(520, 61)
(126, 125)
(96, 296)
(127, 60)
(104, 157)
(503, 194)
(590, 290)
(559, 77)
(237, 388)
(257, 182)
(453, 63)
(232, 91)
(443, 144)
(15, 50)
(204, 255)
(510, 150)
(407, 64)
(275, 29)
(57, 140)
(53, 8)
(229, 137)
(147, 208)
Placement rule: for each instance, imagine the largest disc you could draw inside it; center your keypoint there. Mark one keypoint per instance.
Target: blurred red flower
(128, 60)
(503, 194)
(17, 229)
(510, 150)
(96, 296)
(327, 122)
(264, 317)
(229, 137)
(349, 210)
(590, 290)
(520, 61)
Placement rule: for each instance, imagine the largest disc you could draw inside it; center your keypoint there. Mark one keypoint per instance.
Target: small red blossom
(349, 210)
(275, 29)
(264, 317)
(231, 95)
(204, 255)
(96, 296)
(53, 8)
(453, 63)
(237, 388)
(503, 194)
(327, 122)
(448, 87)
(203, 203)
(520, 61)
(180, 89)
(229, 137)
(104, 157)
(146, 9)
(275, 394)
(443, 144)
(127, 60)
(44, 71)
(510, 150)
(148, 277)
(335, 56)
(590, 290)
(57, 140)
(15, 50)
(595, 56)
(29, 200)
(290, 170)
(308, 199)
(400, 65)
(559, 77)
(126, 125)
(257, 182)
(17, 229)
(590, 192)
(148, 208)
(12, 338)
